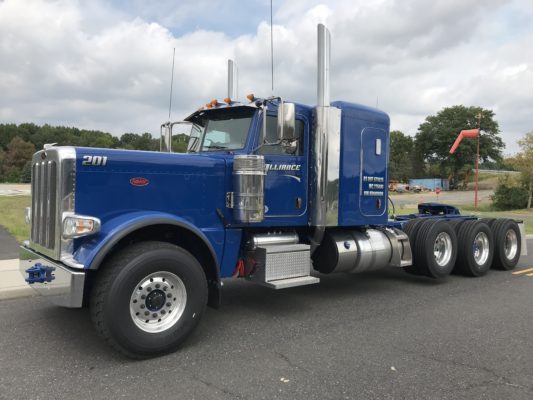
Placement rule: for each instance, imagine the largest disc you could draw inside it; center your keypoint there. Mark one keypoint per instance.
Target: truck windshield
(221, 129)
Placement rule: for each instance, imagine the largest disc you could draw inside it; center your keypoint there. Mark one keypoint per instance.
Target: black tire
(411, 229)
(118, 281)
(456, 224)
(488, 221)
(424, 257)
(502, 260)
(469, 247)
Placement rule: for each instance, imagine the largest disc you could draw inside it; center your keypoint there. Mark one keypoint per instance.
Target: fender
(92, 252)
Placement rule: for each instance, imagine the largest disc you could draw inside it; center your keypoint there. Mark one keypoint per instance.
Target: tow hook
(40, 273)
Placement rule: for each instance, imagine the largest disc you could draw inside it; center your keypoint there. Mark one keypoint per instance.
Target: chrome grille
(44, 203)
(53, 191)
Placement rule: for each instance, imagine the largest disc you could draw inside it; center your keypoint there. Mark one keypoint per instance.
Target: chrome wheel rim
(158, 302)
(442, 249)
(481, 248)
(510, 245)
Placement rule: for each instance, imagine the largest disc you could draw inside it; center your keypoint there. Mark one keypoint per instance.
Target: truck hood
(114, 182)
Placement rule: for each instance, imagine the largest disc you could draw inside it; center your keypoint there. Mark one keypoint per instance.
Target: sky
(106, 65)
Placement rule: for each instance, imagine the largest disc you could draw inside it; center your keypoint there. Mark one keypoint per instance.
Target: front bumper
(61, 285)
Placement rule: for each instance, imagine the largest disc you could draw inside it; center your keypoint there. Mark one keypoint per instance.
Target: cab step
(283, 266)
(290, 282)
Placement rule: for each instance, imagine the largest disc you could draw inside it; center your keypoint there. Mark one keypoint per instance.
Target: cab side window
(271, 137)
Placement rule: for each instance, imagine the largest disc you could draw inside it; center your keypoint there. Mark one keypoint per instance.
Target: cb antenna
(171, 83)
(271, 49)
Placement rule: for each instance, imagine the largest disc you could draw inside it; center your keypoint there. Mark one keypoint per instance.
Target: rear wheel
(476, 248)
(488, 221)
(148, 298)
(411, 229)
(456, 224)
(508, 243)
(435, 249)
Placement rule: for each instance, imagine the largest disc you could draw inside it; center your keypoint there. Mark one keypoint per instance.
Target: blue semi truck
(274, 192)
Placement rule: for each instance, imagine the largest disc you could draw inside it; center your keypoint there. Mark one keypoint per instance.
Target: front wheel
(148, 298)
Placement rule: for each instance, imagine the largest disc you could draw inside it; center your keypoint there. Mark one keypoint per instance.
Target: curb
(12, 285)
(16, 293)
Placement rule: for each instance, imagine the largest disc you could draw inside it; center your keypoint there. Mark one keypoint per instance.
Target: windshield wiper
(216, 147)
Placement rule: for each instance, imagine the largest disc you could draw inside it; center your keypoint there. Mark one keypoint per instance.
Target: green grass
(12, 216)
(525, 215)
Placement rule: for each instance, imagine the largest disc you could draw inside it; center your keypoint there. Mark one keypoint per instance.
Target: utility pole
(477, 160)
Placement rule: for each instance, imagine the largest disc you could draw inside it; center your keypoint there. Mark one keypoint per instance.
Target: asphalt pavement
(379, 335)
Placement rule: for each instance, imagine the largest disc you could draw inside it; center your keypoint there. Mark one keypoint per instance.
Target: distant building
(429, 184)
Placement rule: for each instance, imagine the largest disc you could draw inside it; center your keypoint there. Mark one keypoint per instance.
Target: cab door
(373, 186)
(286, 177)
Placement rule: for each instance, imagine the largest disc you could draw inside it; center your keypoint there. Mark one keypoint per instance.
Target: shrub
(509, 196)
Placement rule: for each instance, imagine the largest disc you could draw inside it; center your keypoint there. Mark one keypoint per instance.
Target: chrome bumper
(64, 286)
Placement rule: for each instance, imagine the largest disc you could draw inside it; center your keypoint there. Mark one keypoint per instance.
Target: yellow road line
(523, 271)
(529, 274)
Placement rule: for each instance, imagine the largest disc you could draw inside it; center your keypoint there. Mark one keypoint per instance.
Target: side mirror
(165, 145)
(286, 121)
(168, 130)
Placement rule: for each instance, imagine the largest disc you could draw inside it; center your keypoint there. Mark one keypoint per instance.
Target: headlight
(75, 226)
(27, 215)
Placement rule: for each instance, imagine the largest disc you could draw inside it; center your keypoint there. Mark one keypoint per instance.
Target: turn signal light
(75, 226)
(250, 97)
(227, 100)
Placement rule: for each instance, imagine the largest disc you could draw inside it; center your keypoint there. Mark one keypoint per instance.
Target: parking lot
(379, 335)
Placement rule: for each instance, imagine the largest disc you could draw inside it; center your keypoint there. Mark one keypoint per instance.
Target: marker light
(212, 103)
(227, 100)
(250, 97)
(75, 226)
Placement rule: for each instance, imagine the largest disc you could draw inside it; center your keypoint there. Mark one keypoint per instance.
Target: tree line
(424, 155)
(427, 153)
(19, 142)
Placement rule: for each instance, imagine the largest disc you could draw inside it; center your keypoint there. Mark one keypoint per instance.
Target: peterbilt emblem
(139, 181)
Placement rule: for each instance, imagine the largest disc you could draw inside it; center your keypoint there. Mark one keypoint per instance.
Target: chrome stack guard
(57, 283)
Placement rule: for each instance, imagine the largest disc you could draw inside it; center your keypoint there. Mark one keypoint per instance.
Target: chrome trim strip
(69, 261)
(65, 290)
(332, 166)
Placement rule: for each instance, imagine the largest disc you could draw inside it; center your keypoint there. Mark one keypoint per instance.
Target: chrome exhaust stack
(325, 152)
(232, 80)
(324, 59)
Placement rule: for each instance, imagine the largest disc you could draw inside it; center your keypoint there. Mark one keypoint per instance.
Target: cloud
(107, 65)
